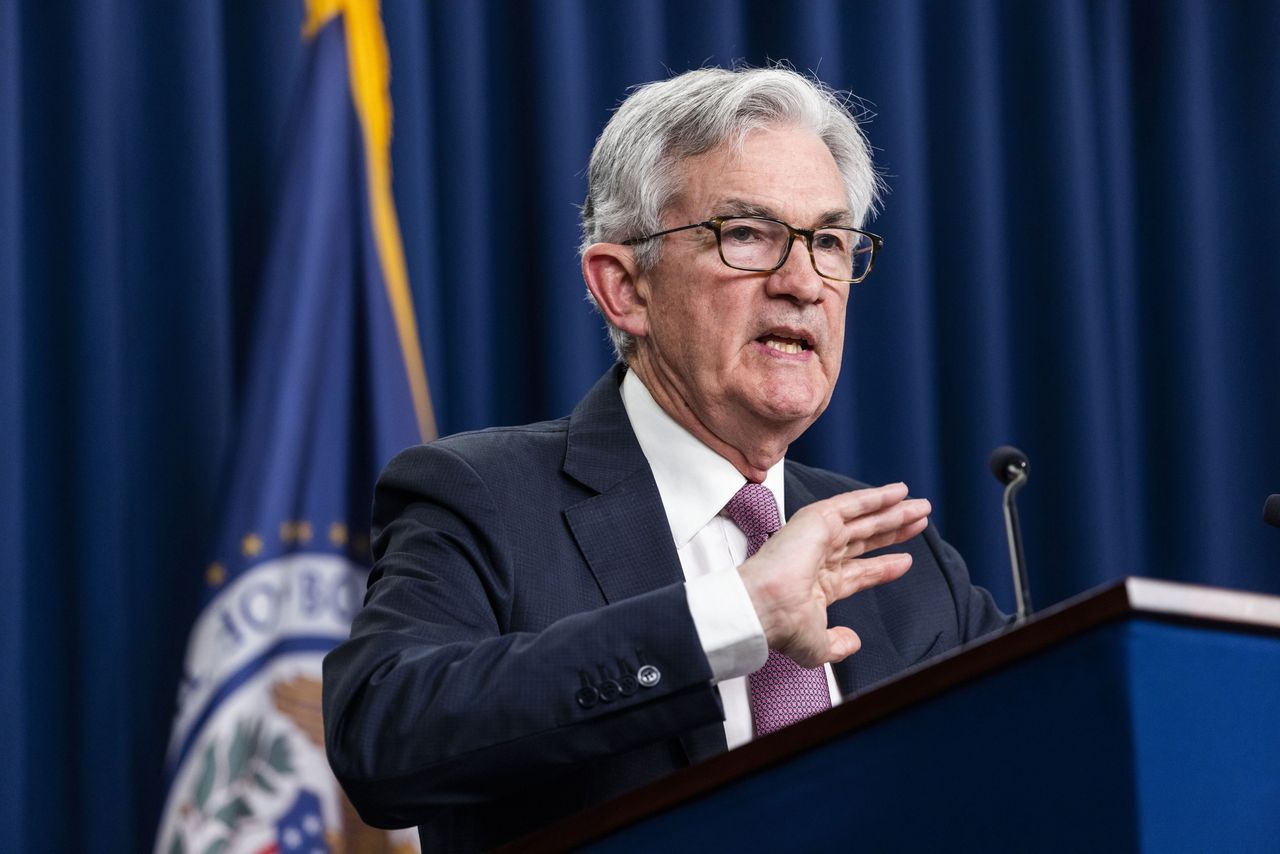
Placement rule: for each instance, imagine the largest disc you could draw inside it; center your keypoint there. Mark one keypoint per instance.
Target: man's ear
(614, 280)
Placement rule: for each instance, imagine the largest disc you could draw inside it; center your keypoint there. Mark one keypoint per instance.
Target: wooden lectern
(1143, 716)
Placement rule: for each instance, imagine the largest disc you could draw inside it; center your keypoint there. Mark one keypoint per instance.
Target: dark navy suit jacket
(516, 565)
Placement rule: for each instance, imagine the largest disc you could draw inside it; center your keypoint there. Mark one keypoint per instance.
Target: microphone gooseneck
(1011, 467)
(1271, 511)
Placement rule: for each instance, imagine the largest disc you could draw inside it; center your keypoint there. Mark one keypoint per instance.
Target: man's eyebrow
(739, 207)
(840, 217)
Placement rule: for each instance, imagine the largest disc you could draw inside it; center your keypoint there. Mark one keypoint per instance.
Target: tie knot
(754, 510)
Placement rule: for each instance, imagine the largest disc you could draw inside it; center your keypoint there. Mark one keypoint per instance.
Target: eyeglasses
(759, 244)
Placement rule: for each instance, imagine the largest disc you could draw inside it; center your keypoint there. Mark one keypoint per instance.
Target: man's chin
(790, 403)
(788, 415)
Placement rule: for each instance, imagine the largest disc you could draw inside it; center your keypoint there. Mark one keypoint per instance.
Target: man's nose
(796, 279)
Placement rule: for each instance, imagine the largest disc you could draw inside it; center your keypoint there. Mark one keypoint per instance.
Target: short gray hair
(631, 177)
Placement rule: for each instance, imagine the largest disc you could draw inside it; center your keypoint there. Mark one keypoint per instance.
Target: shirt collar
(694, 482)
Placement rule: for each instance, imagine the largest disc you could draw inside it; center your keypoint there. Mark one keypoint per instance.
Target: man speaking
(563, 611)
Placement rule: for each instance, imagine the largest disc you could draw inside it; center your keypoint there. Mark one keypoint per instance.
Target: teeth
(792, 347)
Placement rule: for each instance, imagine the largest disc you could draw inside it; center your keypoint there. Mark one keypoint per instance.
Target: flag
(335, 387)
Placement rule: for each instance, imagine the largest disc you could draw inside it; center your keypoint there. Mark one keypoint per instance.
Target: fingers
(863, 573)
(868, 519)
(860, 502)
(881, 528)
(883, 537)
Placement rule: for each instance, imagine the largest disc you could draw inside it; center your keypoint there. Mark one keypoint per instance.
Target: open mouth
(785, 344)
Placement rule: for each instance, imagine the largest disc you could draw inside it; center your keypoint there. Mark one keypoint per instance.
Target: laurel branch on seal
(220, 792)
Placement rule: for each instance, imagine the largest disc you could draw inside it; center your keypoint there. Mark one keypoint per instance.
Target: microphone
(1271, 511)
(1011, 467)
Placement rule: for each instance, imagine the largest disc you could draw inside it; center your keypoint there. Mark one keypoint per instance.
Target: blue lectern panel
(1207, 739)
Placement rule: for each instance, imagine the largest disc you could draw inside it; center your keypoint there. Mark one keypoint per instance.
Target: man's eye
(741, 233)
(829, 241)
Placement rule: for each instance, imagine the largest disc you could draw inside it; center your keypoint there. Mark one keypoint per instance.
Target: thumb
(842, 642)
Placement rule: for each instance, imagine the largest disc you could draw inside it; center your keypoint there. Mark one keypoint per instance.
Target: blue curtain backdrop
(1080, 259)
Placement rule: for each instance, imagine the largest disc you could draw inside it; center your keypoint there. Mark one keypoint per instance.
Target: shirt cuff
(727, 625)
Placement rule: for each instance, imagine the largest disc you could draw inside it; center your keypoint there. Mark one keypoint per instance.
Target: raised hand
(816, 559)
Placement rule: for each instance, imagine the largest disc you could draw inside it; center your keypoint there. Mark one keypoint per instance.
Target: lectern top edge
(1199, 602)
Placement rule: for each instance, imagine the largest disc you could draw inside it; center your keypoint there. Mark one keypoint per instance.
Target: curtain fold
(1080, 238)
(14, 586)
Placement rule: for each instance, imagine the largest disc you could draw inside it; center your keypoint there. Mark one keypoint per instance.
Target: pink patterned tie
(782, 692)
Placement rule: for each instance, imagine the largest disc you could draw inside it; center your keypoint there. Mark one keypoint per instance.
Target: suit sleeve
(433, 703)
(976, 610)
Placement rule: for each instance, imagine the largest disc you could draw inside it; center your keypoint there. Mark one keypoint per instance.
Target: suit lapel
(622, 531)
(859, 612)
(623, 535)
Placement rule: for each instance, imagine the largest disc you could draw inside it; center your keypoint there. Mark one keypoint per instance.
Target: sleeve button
(587, 696)
(609, 691)
(648, 676)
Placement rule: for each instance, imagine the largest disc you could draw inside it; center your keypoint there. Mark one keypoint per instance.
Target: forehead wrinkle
(737, 200)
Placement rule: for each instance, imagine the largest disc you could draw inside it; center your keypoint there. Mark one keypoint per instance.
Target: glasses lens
(752, 244)
(842, 253)
(749, 243)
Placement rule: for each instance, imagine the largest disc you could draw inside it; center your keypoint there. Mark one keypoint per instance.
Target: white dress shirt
(695, 483)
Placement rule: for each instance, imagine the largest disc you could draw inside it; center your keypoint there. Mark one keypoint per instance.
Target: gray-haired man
(563, 611)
